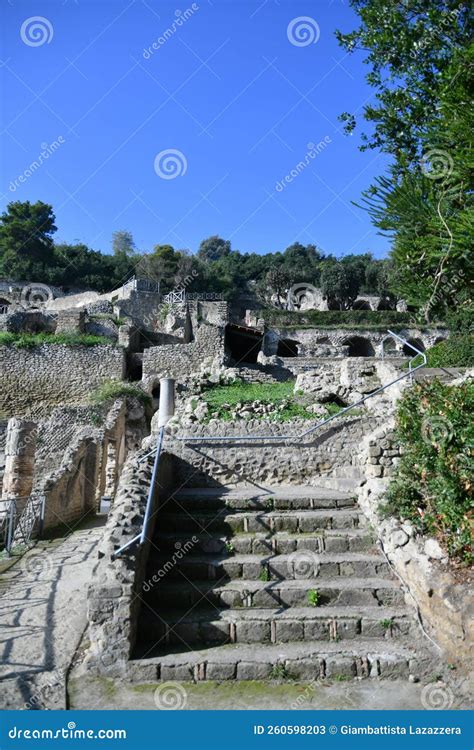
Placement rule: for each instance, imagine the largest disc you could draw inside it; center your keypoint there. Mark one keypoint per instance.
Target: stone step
(298, 565)
(302, 661)
(281, 543)
(276, 625)
(278, 498)
(273, 521)
(167, 593)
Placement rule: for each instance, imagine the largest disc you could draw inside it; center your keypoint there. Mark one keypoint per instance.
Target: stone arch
(384, 304)
(361, 304)
(4, 305)
(389, 347)
(359, 346)
(418, 343)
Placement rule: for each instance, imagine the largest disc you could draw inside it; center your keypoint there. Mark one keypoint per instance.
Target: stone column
(19, 462)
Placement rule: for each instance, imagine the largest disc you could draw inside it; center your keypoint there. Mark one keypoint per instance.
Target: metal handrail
(203, 438)
(286, 438)
(141, 537)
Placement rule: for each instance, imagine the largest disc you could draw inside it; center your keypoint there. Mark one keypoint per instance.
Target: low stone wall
(113, 600)
(444, 605)
(330, 456)
(54, 374)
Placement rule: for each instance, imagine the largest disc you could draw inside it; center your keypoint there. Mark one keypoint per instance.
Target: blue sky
(227, 88)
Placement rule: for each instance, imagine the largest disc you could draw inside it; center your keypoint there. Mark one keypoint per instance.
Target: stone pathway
(43, 618)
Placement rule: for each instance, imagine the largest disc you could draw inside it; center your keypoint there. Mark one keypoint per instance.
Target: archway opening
(155, 395)
(390, 347)
(417, 343)
(4, 305)
(134, 366)
(242, 344)
(361, 304)
(287, 348)
(358, 346)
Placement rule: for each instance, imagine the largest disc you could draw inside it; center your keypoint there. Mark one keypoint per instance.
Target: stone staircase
(249, 584)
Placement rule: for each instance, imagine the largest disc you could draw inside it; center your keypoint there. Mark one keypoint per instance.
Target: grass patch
(221, 397)
(113, 389)
(30, 340)
(433, 484)
(336, 318)
(109, 316)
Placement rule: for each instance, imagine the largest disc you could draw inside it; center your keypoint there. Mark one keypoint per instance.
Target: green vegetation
(113, 389)
(456, 351)
(433, 484)
(30, 340)
(420, 58)
(279, 672)
(313, 597)
(336, 318)
(387, 624)
(264, 574)
(220, 398)
(109, 316)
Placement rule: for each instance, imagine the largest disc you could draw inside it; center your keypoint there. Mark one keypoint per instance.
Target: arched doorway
(359, 347)
(242, 344)
(4, 305)
(389, 347)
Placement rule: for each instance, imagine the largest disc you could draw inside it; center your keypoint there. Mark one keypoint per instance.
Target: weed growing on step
(387, 623)
(279, 672)
(264, 574)
(229, 548)
(313, 597)
(340, 677)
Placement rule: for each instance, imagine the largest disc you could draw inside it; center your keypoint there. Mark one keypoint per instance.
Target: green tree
(123, 243)
(214, 248)
(339, 285)
(26, 245)
(408, 47)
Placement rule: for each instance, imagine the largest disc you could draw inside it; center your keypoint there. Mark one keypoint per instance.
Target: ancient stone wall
(53, 374)
(443, 604)
(180, 360)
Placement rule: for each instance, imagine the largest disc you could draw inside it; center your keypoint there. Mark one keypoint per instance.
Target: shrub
(457, 351)
(336, 318)
(433, 484)
(113, 389)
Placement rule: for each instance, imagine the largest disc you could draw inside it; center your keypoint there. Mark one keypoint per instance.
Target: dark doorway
(242, 344)
(416, 343)
(134, 366)
(359, 347)
(287, 348)
(4, 304)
